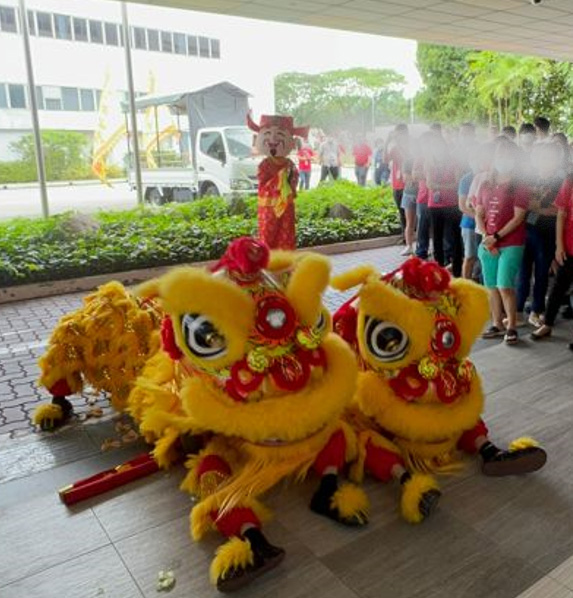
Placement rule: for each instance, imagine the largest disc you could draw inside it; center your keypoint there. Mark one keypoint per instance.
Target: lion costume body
(103, 344)
(419, 398)
(251, 362)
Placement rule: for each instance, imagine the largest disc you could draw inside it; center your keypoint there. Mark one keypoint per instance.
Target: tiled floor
(490, 538)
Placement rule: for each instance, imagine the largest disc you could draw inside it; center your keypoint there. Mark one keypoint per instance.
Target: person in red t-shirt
(442, 178)
(362, 156)
(305, 156)
(501, 205)
(397, 150)
(563, 257)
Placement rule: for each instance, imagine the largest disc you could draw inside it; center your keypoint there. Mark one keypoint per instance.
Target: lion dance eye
(385, 341)
(202, 337)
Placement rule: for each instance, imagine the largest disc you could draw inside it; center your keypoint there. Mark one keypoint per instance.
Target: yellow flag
(109, 132)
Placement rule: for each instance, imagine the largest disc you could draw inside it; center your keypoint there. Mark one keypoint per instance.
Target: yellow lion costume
(105, 343)
(419, 398)
(251, 361)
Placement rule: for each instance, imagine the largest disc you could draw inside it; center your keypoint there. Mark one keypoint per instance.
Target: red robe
(278, 180)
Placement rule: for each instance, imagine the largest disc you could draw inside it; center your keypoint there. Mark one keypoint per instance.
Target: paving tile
(20, 458)
(151, 502)
(564, 573)
(42, 533)
(402, 560)
(170, 547)
(536, 525)
(547, 588)
(98, 574)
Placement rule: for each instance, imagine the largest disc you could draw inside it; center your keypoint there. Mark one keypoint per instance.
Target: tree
(447, 95)
(353, 98)
(65, 153)
(462, 84)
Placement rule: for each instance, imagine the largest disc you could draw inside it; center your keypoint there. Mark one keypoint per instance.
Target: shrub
(38, 250)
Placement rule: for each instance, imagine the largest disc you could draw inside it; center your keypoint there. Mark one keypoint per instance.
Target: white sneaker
(535, 319)
(407, 251)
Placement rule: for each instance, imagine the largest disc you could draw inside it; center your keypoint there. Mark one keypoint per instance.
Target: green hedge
(38, 250)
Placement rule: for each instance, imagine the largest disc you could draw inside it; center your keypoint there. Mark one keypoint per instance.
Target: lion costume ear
(353, 278)
(148, 289)
(473, 313)
(306, 285)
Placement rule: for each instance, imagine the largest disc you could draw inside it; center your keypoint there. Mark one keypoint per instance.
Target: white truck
(208, 152)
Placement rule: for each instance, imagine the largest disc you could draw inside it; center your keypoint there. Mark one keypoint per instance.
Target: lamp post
(40, 164)
(132, 111)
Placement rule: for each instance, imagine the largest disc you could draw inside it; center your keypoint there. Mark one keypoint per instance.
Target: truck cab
(225, 162)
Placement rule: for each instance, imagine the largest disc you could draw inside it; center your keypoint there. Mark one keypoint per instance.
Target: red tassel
(245, 256)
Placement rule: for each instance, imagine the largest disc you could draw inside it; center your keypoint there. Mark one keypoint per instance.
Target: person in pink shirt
(563, 257)
(397, 151)
(500, 206)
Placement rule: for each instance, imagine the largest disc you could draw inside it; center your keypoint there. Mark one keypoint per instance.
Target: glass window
(3, 96)
(153, 40)
(63, 26)
(87, 100)
(192, 45)
(215, 48)
(179, 43)
(166, 41)
(212, 144)
(17, 96)
(31, 23)
(80, 30)
(8, 19)
(96, 32)
(239, 141)
(139, 39)
(111, 35)
(70, 98)
(204, 47)
(44, 22)
(52, 98)
(39, 98)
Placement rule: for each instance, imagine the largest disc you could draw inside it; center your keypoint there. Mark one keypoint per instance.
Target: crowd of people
(497, 210)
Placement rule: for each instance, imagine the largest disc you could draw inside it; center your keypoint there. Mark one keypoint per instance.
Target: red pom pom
(245, 256)
(434, 278)
(168, 339)
(446, 338)
(275, 319)
(290, 372)
(411, 272)
(409, 383)
(448, 386)
(245, 380)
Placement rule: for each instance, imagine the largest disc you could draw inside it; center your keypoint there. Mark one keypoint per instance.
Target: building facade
(77, 49)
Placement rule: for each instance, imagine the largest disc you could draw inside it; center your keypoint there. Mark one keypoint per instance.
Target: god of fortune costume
(278, 180)
(419, 398)
(104, 344)
(252, 361)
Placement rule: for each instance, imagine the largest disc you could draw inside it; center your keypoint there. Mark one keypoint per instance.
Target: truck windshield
(239, 142)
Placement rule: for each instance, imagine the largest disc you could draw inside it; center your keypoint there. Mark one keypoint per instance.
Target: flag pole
(131, 93)
(40, 164)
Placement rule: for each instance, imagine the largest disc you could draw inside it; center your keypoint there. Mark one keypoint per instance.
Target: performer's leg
(344, 503)
(420, 493)
(246, 555)
(523, 455)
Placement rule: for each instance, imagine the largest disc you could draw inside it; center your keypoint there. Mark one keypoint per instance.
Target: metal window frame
(16, 27)
(90, 21)
(51, 15)
(9, 96)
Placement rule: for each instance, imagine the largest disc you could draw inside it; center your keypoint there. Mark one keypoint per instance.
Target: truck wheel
(209, 190)
(153, 195)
